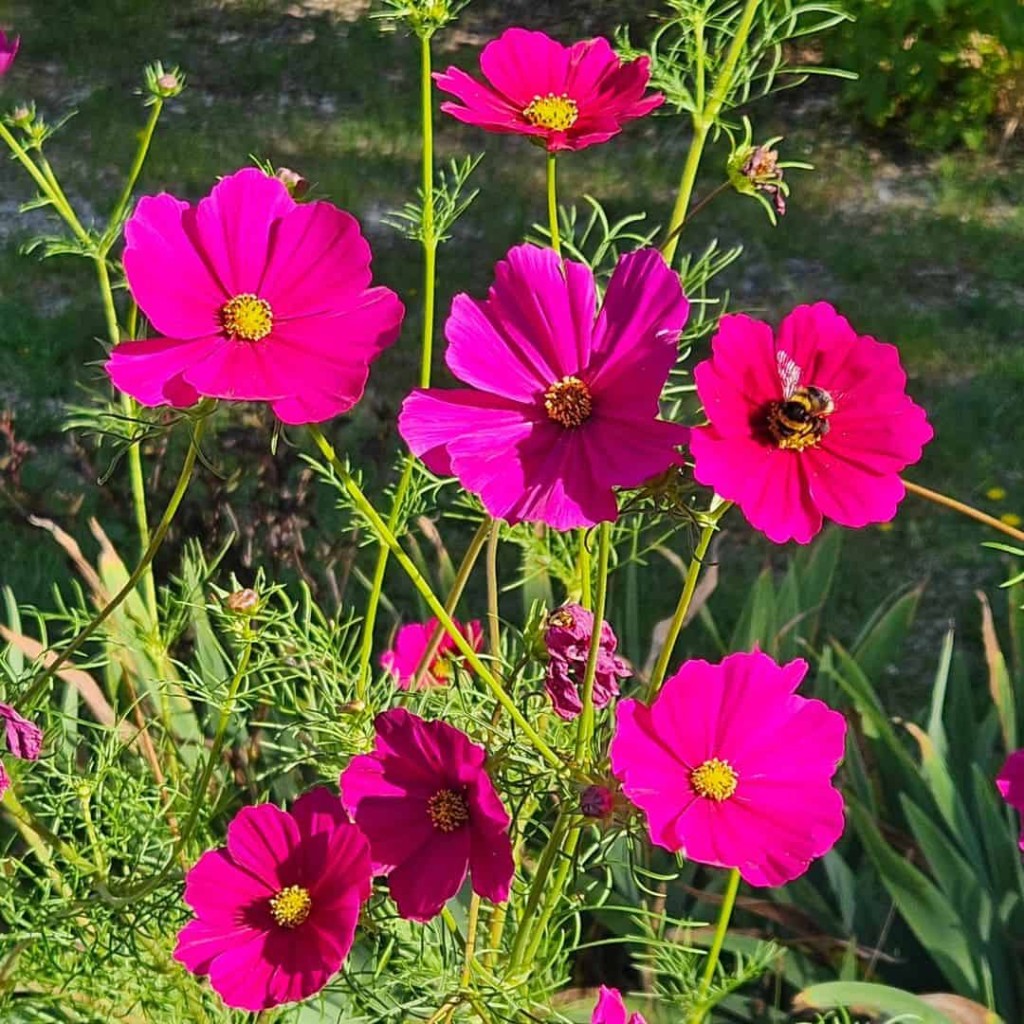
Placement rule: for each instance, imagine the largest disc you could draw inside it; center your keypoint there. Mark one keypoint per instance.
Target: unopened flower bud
(243, 602)
(296, 184)
(597, 802)
(352, 707)
(23, 115)
(163, 84)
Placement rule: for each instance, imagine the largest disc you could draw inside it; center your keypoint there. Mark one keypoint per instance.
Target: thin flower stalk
(552, 172)
(724, 914)
(964, 509)
(379, 527)
(585, 729)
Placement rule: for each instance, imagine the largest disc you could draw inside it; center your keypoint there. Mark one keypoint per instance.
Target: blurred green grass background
(924, 252)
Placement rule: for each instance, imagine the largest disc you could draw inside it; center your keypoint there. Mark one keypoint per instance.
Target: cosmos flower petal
(8, 51)
(1010, 783)
(411, 644)
(243, 976)
(260, 839)
(850, 494)
(151, 370)
(24, 738)
(522, 64)
(200, 942)
(218, 885)
(422, 885)
(611, 1009)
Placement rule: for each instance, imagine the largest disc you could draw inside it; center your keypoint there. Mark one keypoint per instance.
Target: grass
(925, 253)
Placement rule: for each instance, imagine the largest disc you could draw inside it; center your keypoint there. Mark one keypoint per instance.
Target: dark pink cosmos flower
(8, 51)
(567, 639)
(259, 299)
(732, 768)
(563, 399)
(1010, 783)
(812, 422)
(24, 739)
(411, 643)
(431, 813)
(611, 1009)
(276, 910)
(564, 97)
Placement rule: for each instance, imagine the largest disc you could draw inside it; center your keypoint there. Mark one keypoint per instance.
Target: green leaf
(866, 997)
(999, 684)
(757, 620)
(936, 730)
(881, 639)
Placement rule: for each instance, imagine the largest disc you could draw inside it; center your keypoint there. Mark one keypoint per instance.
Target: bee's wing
(789, 374)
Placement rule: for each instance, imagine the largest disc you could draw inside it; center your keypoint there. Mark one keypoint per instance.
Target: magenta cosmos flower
(259, 299)
(24, 739)
(812, 422)
(611, 1009)
(431, 813)
(562, 405)
(8, 51)
(732, 768)
(565, 97)
(411, 643)
(276, 910)
(1010, 783)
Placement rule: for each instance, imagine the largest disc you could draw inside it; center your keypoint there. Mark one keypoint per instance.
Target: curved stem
(380, 528)
(685, 599)
(135, 170)
(704, 118)
(130, 584)
(964, 509)
(458, 586)
(585, 729)
(728, 902)
(552, 165)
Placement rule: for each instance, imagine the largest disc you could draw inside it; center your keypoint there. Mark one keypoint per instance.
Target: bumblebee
(800, 420)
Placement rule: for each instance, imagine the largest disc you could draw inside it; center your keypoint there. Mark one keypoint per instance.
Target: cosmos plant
(425, 787)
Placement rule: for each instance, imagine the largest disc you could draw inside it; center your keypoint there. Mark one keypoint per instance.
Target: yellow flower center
(714, 779)
(448, 810)
(568, 402)
(247, 317)
(291, 906)
(801, 420)
(556, 113)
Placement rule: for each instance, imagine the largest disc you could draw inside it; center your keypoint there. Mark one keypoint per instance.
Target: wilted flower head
(1010, 783)
(762, 171)
(24, 739)
(276, 909)
(611, 1009)
(733, 769)
(258, 298)
(597, 802)
(411, 643)
(567, 638)
(810, 422)
(296, 184)
(431, 813)
(8, 51)
(563, 401)
(564, 97)
(242, 602)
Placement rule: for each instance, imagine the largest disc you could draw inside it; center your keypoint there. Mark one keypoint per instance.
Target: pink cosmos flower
(812, 422)
(611, 1009)
(734, 769)
(431, 813)
(276, 910)
(1010, 783)
(567, 639)
(24, 739)
(411, 643)
(259, 299)
(562, 406)
(8, 51)
(564, 97)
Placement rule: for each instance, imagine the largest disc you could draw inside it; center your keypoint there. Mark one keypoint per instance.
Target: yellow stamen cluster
(714, 779)
(556, 113)
(247, 317)
(568, 402)
(291, 906)
(448, 810)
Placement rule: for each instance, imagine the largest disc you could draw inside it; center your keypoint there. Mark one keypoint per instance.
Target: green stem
(685, 599)
(555, 893)
(728, 902)
(471, 929)
(493, 621)
(585, 730)
(704, 119)
(458, 586)
(965, 510)
(586, 593)
(429, 241)
(384, 535)
(130, 584)
(134, 172)
(556, 241)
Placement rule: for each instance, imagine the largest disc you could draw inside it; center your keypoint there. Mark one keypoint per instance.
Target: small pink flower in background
(611, 1009)
(1010, 783)
(567, 639)
(809, 423)
(563, 400)
(276, 910)
(431, 813)
(564, 97)
(411, 643)
(24, 739)
(8, 51)
(258, 298)
(733, 769)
